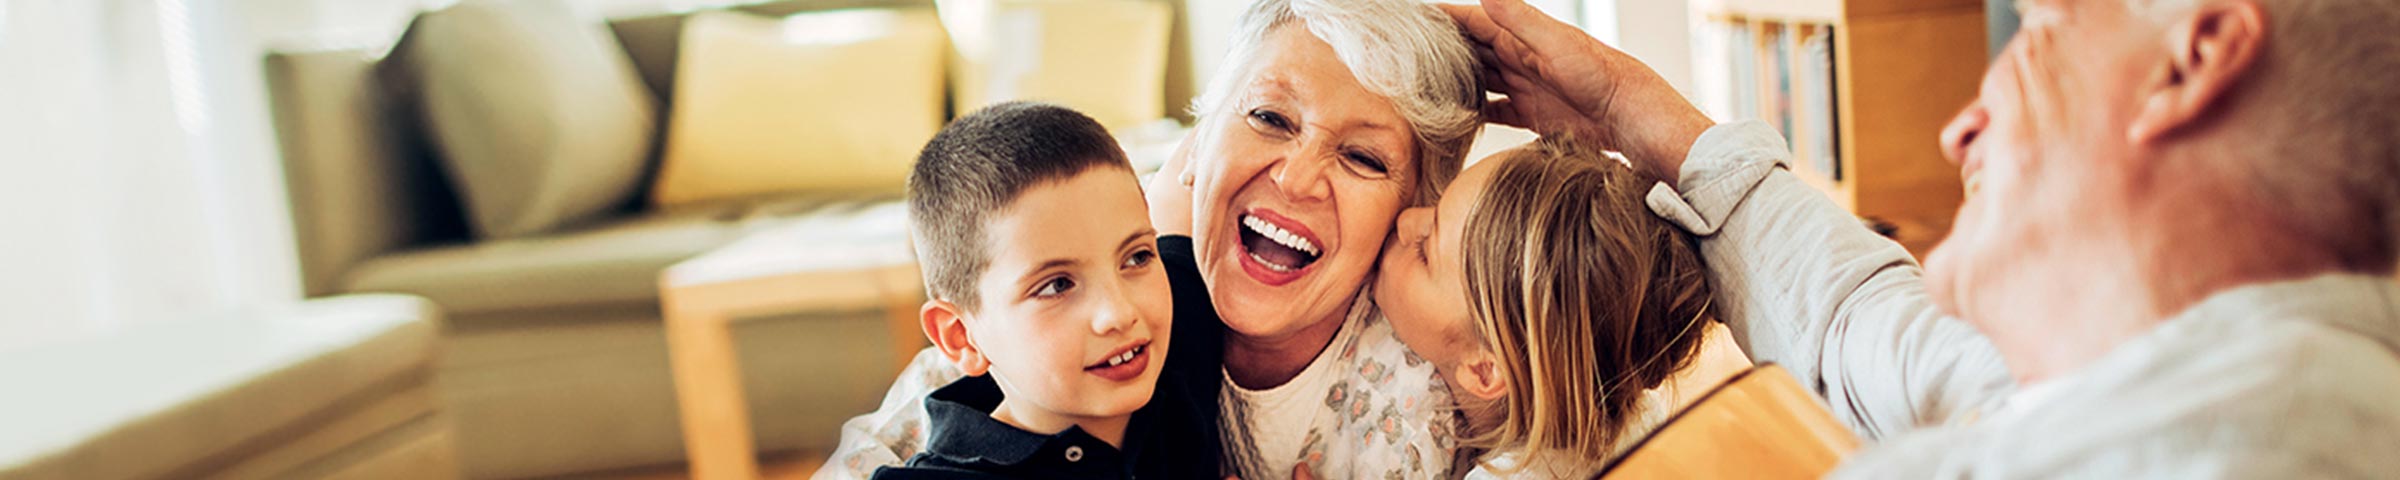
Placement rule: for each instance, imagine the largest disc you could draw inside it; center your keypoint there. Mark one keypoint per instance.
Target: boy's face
(1074, 309)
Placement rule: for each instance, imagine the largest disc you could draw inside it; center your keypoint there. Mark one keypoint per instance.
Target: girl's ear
(1480, 375)
(945, 324)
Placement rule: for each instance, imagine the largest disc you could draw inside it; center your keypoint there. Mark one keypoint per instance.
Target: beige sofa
(554, 357)
(329, 388)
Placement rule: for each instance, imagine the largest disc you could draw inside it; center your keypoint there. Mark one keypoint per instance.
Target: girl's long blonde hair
(1586, 298)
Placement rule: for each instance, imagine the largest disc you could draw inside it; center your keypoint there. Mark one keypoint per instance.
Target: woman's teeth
(1270, 264)
(1279, 235)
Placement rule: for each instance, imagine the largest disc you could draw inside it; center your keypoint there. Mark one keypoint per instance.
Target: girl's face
(1422, 288)
(1298, 180)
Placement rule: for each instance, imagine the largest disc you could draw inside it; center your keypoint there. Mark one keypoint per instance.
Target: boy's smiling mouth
(1128, 362)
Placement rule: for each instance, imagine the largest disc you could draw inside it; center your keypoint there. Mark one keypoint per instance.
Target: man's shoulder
(2272, 397)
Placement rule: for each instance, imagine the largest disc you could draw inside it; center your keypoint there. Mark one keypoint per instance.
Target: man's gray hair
(1404, 50)
(2326, 81)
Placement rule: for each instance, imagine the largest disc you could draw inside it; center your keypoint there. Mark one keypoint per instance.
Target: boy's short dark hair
(977, 166)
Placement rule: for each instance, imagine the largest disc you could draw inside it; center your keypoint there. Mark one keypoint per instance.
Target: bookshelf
(1861, 88)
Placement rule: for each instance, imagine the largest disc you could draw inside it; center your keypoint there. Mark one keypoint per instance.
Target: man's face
(1075, 310)
(2043, 153)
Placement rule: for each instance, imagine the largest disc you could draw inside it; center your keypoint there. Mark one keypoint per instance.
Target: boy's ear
(1479, 376)
(945, 324)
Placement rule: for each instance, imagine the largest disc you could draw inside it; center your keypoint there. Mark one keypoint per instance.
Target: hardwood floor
(794, 465)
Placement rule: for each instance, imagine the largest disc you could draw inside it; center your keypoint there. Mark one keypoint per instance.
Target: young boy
(1048, 292)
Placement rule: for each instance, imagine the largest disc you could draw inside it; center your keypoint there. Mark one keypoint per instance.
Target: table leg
(708, 384)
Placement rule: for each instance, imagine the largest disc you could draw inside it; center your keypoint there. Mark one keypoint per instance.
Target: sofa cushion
(539, 117)
(826, 101)
(1105, 58)
(610, 263)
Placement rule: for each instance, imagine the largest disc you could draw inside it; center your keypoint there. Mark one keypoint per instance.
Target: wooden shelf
(1900, 69)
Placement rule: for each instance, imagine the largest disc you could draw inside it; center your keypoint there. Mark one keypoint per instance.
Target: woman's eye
(1367, 163)
(1140, 259)
(1054, 287)
(1270, 120)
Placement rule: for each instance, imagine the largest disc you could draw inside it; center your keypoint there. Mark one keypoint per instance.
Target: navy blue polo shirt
(1172, 437)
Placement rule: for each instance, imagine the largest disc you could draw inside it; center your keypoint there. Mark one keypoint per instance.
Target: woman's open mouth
(1276, 250)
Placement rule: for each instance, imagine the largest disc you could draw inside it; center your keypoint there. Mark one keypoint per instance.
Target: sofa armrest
(361, 179)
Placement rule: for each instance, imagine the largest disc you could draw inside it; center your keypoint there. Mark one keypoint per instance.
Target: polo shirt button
(1074, 454)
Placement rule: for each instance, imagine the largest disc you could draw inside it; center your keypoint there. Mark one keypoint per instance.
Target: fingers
(1504, 111)
(1538, 30)
(1300, 472)
(1472, 21)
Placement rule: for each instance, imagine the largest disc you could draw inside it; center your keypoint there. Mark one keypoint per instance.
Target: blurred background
(513, 238)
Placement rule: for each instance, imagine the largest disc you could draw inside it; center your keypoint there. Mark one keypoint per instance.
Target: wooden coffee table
(845, 258)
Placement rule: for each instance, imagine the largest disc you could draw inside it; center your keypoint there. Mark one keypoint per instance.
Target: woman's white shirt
(1366, 407)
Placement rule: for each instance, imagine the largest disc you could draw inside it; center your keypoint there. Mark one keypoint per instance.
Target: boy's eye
(1140, 259)
(1054, 287)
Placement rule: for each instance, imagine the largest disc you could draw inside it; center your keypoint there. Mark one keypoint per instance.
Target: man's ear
(945, 324)
(2208, 54)
(1479, 375)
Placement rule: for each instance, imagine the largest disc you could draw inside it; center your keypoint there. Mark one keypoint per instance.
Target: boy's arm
(895, 431)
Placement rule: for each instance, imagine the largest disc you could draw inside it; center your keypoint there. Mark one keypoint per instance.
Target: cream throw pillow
(539, 116)
(1106, 58)
(830, 101)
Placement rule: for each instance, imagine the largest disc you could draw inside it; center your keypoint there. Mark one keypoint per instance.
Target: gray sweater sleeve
(1803, 284)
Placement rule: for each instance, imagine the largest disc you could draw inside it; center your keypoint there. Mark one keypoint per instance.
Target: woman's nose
(1301, 175)
(1963, 131)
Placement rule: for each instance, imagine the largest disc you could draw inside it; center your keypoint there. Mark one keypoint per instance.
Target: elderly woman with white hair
(1327, 119)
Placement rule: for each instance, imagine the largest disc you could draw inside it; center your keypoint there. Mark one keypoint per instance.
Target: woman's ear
(2207, 54)
(945, 324)
(1479, 375)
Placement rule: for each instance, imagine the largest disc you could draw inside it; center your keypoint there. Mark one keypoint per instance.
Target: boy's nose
(1116, 310)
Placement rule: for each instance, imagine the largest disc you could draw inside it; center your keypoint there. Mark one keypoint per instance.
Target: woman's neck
(1259, 363)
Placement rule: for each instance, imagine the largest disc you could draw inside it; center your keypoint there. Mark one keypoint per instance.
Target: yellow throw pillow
(1106, 58)
(826, 101)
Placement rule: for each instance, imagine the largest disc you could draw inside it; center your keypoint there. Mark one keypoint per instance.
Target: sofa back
(363, 179)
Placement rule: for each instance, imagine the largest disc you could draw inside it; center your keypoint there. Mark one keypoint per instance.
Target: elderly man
(2174, 260)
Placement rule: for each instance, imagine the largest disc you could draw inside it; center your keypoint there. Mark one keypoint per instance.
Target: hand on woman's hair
(1559, 79)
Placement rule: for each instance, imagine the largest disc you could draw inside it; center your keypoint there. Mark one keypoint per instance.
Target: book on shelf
(1780, 73)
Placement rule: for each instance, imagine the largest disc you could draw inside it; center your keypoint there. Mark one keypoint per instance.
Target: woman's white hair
(2331, 126)
(1404, 50)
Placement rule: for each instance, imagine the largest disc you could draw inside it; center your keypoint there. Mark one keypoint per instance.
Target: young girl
(1553, 303)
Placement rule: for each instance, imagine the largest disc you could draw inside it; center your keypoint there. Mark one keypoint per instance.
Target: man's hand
(1560, 80)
